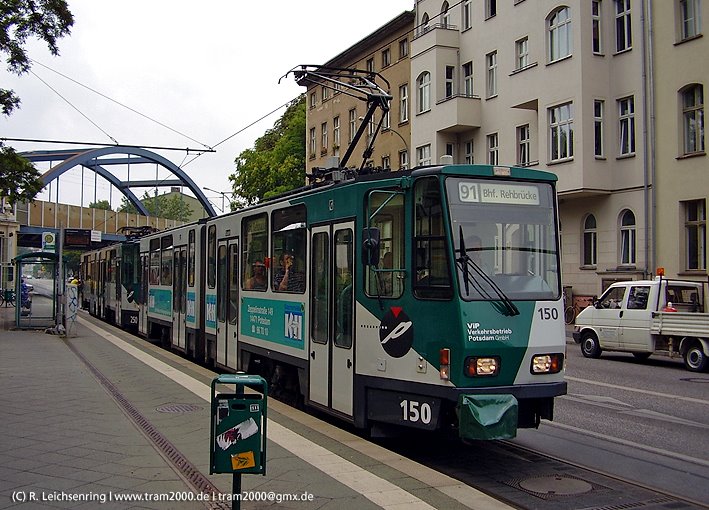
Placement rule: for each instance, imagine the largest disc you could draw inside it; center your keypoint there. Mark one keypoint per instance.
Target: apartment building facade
(333, 117)
(607, 94)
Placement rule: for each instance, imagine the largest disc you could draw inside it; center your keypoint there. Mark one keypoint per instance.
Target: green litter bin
(238, 431)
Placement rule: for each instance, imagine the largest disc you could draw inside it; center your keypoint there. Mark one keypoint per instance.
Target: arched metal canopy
(91, 159)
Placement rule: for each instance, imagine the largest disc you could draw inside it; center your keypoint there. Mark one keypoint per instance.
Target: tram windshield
(505, 239)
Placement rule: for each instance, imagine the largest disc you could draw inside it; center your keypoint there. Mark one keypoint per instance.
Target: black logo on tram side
(396, 332)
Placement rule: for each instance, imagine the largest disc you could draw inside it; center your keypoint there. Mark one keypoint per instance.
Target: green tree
(101, 204)
(276, 163)
(171, 207)
(46, 20)
(20, 181)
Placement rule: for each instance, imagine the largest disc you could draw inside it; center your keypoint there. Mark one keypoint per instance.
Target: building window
(492, 149)
(623, 33)
(626, 118)
(598, 128)
(559, 29)
(689, 19)
(423, 155)
(469, 158)
(323, 137)
(352, 116)
(386, 123)
(561, 132)
(403, 160)
(449, 81)
(693, 118)
(468, 79)
(313, 142)
(325, 93)
(403, 48)
(386, 58)
(695, 231)
(404, 103)
(467, 15)
(523, 145)
(423, 27)
(490, 8)
(522, 52)
(627, 238)
(445, 15)
(589, 241)
(596, 27)
(313, 99)
(336, 135)
(386, 162)
(450, 150)
(491, 59)
(424, 92)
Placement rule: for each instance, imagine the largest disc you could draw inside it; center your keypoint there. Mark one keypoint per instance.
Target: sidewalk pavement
(104, 415)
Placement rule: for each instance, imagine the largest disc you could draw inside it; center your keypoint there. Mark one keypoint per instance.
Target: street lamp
(222, 193)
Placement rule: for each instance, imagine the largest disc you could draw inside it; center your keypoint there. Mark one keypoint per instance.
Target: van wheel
(694, 358)
(590, 347)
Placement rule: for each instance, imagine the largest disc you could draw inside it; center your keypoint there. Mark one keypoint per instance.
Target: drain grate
(190, 474)
(178, 408)
(666, 502)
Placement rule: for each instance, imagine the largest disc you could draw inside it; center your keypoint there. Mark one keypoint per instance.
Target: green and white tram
(429, 298)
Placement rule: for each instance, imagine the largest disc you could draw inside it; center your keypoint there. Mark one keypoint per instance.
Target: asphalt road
(642, 421)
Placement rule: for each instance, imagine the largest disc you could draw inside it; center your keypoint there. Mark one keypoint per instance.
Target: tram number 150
(414, 411)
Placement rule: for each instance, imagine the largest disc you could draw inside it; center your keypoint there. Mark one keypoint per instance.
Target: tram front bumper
(487, 416)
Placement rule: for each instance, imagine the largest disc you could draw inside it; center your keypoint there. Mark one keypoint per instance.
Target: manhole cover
(178, 408)
(555, 485)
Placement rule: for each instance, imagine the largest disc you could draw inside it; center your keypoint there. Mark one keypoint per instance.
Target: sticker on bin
(241, 431)
(243, 460)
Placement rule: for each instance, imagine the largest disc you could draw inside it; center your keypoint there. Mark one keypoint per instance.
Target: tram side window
(155, 262)
(431, 272)
(212, 256)
(386, 211)
(254, 232)
(289, 239)
(166, 260)
(191, 260)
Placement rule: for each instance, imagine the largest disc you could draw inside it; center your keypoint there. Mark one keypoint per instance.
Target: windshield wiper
(502, 304)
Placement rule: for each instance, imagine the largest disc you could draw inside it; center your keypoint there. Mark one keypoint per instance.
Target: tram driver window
(255, 252)
(289, 239)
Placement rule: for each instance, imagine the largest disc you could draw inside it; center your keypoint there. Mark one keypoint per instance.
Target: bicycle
(570, 313)
(7, 296)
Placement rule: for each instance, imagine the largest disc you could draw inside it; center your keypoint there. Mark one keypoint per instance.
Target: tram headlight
(482, 366)
(547, 363)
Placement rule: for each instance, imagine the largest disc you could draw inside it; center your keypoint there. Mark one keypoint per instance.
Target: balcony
(431, 36)
(458, 113)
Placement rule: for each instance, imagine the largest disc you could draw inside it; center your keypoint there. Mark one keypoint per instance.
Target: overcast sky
(204, 69)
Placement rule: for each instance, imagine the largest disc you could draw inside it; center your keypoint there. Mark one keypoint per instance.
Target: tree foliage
(276, 163)
(171, 207)
(101, 204)
(20, 181)
(46, 20)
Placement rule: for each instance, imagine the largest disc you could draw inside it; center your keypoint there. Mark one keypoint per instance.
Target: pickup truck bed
(680, 324)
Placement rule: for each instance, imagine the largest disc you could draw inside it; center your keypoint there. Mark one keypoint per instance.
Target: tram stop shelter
(36, 289)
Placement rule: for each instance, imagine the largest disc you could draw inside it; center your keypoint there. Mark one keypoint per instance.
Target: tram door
(332, 305)
(143, 300)
(179, 296)
(227, 302)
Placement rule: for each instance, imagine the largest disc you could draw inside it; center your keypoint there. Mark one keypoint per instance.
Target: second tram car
(428, 298)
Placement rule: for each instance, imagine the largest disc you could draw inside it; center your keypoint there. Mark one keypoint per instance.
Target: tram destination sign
(498, 193)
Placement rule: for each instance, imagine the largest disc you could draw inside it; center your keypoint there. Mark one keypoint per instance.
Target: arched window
(423, 28)
(424, 92)
(559, 34)
(693, 118)
(589, 241)
(445, 15)
(627, 237)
